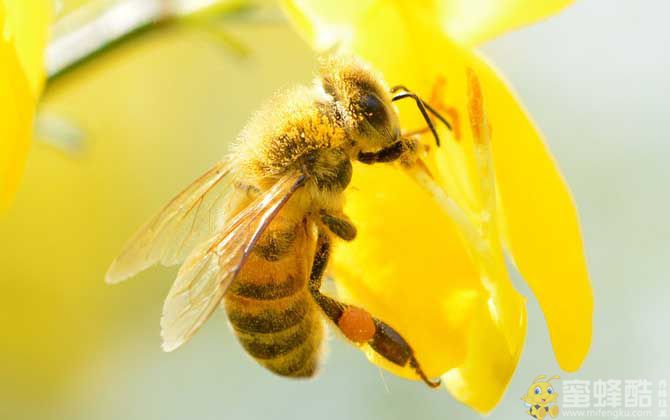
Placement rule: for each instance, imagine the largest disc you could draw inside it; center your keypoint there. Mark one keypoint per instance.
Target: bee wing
(208, 271)
(185, 222)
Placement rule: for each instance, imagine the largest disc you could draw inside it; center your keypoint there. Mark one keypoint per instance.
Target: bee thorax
(330, 169)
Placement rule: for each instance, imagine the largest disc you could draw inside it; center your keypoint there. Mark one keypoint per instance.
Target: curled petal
(482, 378)
(540, 223)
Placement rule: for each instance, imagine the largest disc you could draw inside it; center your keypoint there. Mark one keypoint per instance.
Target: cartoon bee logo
(541, 398)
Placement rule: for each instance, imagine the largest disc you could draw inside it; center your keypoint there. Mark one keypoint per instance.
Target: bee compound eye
(538, 391)
(370, 103)
(373, 109)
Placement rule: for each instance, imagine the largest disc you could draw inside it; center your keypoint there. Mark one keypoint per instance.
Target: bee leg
(339, 225)
(357, 324)
(388, 154)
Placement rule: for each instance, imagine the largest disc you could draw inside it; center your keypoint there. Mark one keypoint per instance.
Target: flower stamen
(481, 134)
(436, 95)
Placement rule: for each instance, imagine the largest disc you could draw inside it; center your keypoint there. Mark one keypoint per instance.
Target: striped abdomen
(269, 305)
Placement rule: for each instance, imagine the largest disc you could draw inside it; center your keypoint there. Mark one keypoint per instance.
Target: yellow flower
(23, 36)
(431, 264)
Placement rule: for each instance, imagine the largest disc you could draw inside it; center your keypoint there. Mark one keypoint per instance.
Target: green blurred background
(159, 110)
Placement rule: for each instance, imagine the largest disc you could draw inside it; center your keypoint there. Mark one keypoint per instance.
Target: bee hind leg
(357, 324)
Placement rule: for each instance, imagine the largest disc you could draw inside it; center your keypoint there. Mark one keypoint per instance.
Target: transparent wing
(206, 274)
(184, 223)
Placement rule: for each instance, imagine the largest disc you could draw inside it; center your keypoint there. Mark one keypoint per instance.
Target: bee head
(541, 392)
(363, 101)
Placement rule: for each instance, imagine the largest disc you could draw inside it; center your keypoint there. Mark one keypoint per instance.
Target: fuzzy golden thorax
(319, 129)
(293, 124)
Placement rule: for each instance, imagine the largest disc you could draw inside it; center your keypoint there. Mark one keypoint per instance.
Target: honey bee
(255, 232)
(541, 398)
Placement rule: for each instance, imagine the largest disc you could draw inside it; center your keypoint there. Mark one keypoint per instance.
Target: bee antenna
(423, 107)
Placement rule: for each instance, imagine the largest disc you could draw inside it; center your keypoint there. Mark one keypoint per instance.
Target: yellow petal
(480, 381)
(541, 225)
(468, 22)
(27, 26)
(407, 266)
(16, 108)
(23, 26)
(472, 22)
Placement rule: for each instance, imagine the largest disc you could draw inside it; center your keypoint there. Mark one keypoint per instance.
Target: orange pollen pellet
(357, 325)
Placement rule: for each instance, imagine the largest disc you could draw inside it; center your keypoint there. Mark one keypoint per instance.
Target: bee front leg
(390, 153)
(356, 323)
